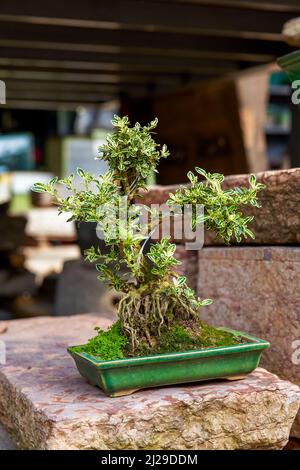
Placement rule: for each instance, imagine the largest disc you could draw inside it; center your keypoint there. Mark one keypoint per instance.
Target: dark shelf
(277, 131)
(280, 90)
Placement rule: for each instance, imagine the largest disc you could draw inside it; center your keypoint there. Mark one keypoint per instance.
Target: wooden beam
(112, 67)
(149, 51)
(118, 59)
(57, 95)
(146, 28)
(83, 77)
(131, 89)
(31, 85)
(140, 42)
(19, 84)
(290, 6)
(157, 15)
(47, 105)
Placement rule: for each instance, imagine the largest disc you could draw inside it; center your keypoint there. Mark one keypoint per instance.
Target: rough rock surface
(256, 289)
(188, 266)
(276, 222)
(46, 404)
(79, 290)
(5, 441)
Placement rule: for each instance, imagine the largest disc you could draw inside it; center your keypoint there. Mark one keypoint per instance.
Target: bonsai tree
(158, 311)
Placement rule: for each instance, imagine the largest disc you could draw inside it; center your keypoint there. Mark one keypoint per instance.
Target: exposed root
(143, 315)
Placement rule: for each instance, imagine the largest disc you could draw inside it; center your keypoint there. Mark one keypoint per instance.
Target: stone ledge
(276, 222)
(45, 404)
(5, 441)
(188, 266)
(255, 289)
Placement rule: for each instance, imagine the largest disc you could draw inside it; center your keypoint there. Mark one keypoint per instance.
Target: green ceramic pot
(290, 63)
(125, 376)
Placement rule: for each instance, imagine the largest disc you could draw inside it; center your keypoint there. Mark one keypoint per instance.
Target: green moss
(183, 336)
(108, 344)
(212, 337)
(174, 339)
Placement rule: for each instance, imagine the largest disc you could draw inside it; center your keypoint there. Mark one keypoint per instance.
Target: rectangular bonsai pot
(125, 376)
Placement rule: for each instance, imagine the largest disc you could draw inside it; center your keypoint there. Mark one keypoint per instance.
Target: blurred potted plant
(159, 337)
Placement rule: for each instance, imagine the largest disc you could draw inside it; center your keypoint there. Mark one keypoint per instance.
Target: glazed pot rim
(289, 60)
(253, 344)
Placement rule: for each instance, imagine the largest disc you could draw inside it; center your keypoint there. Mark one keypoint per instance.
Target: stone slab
(47, 223)
(12, 231)
(79, 290)
(256, 289)
(5, 441)
(14, 282)
(188, 266)
(46, 404)
(276, 222)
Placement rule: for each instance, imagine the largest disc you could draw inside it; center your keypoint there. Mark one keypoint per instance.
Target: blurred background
(206, 69)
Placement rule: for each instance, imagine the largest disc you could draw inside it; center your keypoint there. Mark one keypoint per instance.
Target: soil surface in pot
(182, 336)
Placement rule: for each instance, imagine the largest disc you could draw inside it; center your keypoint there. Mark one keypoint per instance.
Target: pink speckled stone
(276, 222)
(256, 289)
(46, 404)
